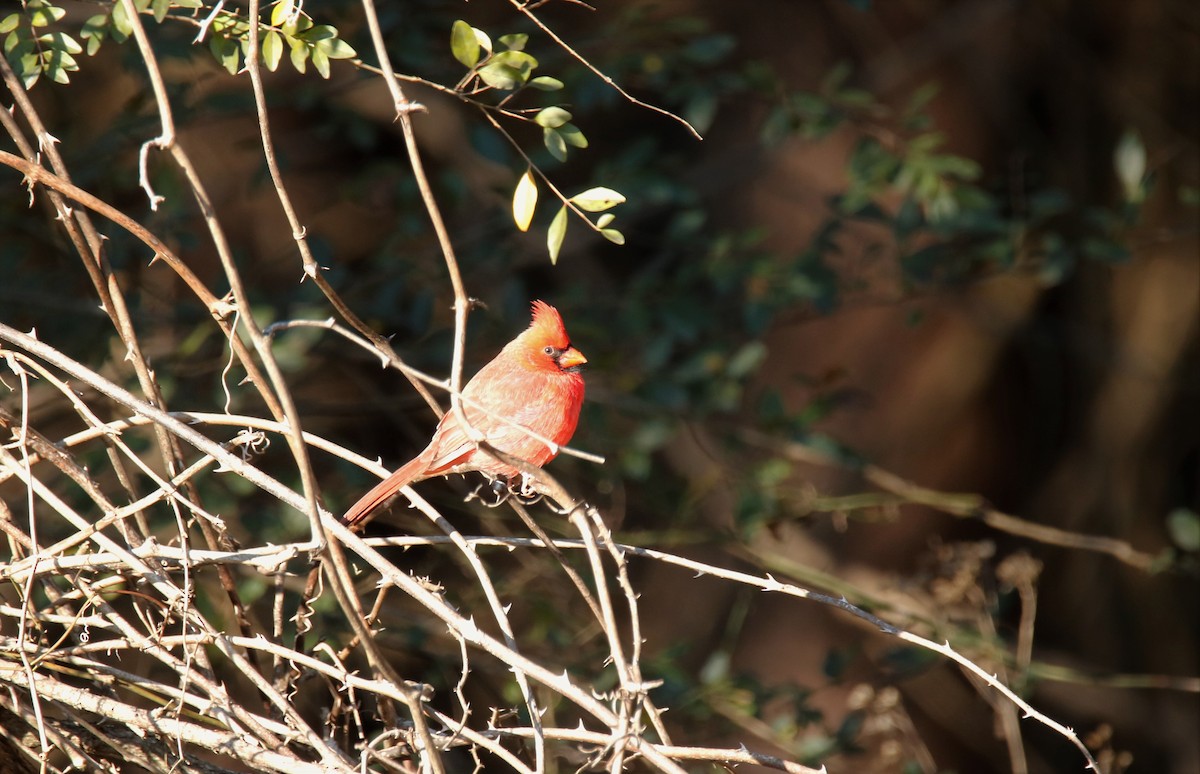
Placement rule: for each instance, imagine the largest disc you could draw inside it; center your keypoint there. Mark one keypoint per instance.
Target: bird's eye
(548, 350)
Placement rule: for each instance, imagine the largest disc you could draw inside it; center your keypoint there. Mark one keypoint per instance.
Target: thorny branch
(94, 575)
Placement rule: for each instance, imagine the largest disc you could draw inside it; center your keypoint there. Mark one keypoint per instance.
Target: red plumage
(533, 382)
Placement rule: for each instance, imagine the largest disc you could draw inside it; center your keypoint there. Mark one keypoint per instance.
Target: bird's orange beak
(571, 359)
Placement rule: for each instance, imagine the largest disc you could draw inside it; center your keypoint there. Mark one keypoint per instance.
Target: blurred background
(933, 263)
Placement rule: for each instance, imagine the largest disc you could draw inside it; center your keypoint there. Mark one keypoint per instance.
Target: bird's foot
(492, 493)
(526, 493)
(497, 491)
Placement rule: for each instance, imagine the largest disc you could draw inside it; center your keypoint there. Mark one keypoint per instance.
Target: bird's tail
(362, 511)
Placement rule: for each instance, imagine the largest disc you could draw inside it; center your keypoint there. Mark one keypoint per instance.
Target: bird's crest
(548, 324)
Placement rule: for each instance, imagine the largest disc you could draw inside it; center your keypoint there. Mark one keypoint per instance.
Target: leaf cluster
(34, 51)
(510, 68)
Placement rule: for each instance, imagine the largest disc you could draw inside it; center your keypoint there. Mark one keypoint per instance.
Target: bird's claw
(492, 493)
(499, 490)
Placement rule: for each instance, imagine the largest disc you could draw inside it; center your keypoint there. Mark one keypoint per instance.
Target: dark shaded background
(1067, 397)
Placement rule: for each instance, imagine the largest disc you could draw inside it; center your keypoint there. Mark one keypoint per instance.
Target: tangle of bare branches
(124, 635)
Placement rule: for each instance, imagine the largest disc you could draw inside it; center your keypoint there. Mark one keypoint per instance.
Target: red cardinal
(534, 382)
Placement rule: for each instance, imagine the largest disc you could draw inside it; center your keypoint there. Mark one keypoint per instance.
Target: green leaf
(1129, 162)
(57, 70)
(272, 49)
(572, 136)
(282, 11)
(515, 41)
(555, 143)
(120, 21)
(297, 24)
(318, 33)
(320, 61)
(925, 143)
(225, 50)
(746, 360)
(463, 43)
(512, 68)
(9, 23)
(701, 110)
(482, 38)
(160, 8)
(500, 76)
(956, 167)
(1183, 524)
(60, 58)
(545, 83)
(18, 44)
(94, 31)
(337, 49)
(525, 200)
(61, 42)
(517, 59)
(552, 117)
(45, 15)
(298, 55)
(30, 69)
(612, 235)
(556, 234)
(856, 98)
(605, 219)
(597, 199)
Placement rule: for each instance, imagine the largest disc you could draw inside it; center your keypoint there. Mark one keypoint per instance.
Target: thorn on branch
(408, 107)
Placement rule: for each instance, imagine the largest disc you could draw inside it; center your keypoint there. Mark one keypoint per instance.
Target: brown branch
(965, 506)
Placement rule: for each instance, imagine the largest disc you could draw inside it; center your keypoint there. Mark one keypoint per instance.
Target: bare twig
(967, 506)
(526, 9)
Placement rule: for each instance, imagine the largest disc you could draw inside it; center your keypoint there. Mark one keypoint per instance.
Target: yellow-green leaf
(546, 83)
(572, 136)
(1129, 161)
(463, 44)
(483, 39)
(552, 117)
(120, 20)
(225, 50)
(612, 235)
(59, 74)
(519, 61)
(42, 17)
(555, 144)
(282, 10)
(272, 49)
(516, 41)
(298, 55)
(93, 32)
(320, 61)
(338, 49)
(556, 234)
(525, 200)
(500, 76)
(597, 199)
(61, 41)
